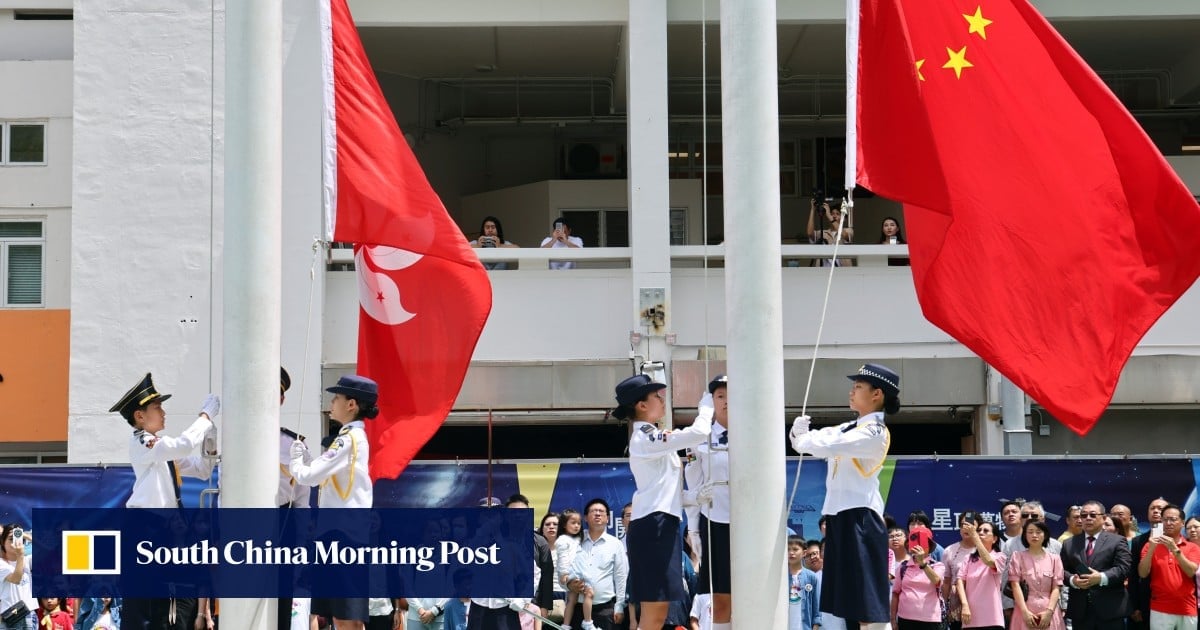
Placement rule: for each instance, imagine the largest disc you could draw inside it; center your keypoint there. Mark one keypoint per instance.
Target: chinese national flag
(424, 297)
(1047, 233)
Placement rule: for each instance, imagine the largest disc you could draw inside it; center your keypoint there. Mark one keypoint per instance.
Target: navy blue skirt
(715, 557)
(346, 608)
(854, 584)
(655, 558)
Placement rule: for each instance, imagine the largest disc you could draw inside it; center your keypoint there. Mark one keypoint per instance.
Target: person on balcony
(491, 234)
(560, 237)
(828, 235)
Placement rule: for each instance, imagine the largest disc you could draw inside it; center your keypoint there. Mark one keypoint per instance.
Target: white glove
(705, 408)
(800, 426)
(299, 450)
(704, 496)
(211, 406)
(516, 604)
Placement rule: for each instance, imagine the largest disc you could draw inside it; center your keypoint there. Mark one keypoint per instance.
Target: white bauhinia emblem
(378, 293)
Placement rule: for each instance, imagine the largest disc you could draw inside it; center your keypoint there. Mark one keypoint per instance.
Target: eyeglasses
(1090, 514)
(1167, 519)
(1029, 516)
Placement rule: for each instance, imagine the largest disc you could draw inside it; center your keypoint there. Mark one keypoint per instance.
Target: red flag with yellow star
(1046, 231)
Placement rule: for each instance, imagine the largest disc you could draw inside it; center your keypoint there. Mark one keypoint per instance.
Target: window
(22, 143)
(604, 227)
(685, 160)
(21, 248)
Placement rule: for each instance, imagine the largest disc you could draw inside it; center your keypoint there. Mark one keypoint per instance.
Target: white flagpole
(252, 268)
(753, 286)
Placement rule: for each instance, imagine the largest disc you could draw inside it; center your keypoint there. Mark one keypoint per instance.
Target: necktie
(175, 480)
(1091, 544)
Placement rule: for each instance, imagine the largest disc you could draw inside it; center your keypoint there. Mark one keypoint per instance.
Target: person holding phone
(560, 236)
(1169, 561)
(17, 604)
(1098, 563)
(491, 234)
(916, 593)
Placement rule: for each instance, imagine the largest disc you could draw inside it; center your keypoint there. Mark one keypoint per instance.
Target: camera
(18, 536)
(818, 196)
(488, 241)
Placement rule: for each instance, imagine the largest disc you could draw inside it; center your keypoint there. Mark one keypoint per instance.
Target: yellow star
(958, 61)
(920, 62)
(977, 22)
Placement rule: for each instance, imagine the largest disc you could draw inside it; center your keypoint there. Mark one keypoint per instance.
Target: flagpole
(753, 287)
(252, 271)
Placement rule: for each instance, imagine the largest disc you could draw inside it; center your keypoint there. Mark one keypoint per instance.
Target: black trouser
(155, 614)
(382, 622)
(602, 614)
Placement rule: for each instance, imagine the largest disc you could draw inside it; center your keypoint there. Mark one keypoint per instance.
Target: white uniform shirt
(153, 485)
(290, 492)
(562, 264)
(855, 452)
(341, 470)
(711, 466)
(656, 467)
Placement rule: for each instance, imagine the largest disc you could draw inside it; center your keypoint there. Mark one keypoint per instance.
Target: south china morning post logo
(91, 552)
(289, 553)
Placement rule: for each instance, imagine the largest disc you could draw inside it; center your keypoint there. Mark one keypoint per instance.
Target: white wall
(34, 39)
(148, 201)
(146, 218)
(38, 91)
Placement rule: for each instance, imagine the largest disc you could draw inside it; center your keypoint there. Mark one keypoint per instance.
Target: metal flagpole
(753, 286)
(251, 274)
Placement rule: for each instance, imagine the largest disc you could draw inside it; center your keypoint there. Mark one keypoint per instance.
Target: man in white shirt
(561, 237)
(607, 569)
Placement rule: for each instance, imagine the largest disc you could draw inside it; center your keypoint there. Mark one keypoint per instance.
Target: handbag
(1008, 592)
(15, 614)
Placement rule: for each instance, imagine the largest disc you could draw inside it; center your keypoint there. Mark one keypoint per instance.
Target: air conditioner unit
(593, 160)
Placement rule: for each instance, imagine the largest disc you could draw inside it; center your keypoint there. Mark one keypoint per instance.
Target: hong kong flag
(423, 295)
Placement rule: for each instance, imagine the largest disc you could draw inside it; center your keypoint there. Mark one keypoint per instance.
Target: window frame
(6, 141)
(5, 243)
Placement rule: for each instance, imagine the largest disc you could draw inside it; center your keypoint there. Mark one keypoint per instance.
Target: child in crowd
(803, 610)
(566, 552)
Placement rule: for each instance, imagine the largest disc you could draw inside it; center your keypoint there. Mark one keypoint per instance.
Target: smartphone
(1157, 530)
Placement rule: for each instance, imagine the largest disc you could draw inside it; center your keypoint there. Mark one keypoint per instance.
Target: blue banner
(283, 553)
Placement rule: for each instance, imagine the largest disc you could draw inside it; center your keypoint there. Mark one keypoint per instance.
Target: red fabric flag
(1047, 233)
(424, 297)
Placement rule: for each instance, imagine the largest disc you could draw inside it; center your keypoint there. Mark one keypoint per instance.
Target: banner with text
(283, 553)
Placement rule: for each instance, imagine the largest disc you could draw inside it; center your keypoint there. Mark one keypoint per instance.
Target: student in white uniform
(341, 472)
(708, 479)
(654, 540)
(158, 462)
(855, 582)
(290, 494)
